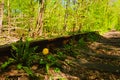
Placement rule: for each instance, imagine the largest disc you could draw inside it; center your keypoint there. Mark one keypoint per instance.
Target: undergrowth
(24, 57)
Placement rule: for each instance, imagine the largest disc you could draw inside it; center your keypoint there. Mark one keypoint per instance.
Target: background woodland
(35, 18)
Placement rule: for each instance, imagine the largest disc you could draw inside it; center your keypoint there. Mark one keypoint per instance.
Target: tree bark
(9, 21)
(40, 19)
(75, 17)
(1, 15)
(66, 15)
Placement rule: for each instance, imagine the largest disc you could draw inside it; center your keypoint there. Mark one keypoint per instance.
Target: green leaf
(28, 71)
(19, 66)
(5, 64)
(57, 70)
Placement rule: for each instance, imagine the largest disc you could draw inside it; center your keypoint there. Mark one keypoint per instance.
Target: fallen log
(5, 50)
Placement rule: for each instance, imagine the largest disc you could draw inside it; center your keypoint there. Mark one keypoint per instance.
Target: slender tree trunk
(40, 19)
(75, 17)
(9, 21)
(1, 15)
(66, 15)
(65, 21)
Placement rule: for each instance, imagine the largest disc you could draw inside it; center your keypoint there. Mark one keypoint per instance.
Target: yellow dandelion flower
(45, 51)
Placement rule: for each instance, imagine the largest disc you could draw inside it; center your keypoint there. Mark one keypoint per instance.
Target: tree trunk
(9, 21)
(1, 15)
(75, 16)
(40, 19)
(66, 15)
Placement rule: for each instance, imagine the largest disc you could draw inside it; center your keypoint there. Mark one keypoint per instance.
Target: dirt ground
(98, 60)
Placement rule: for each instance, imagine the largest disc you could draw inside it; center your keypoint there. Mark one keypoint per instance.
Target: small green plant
(23, 56)
(69, 50)
(94, 36)
(57, 70)
(28, 71)
(61, 55)
(82, 43)
(48, 60)
(7, 63)
(23, 53)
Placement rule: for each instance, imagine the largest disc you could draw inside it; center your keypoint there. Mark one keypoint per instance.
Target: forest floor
(97, 60)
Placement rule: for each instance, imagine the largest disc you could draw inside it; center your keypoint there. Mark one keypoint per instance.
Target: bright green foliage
(116, 15)
(53, 17)
(99, 15)
(19, 66)
(84, 15)
(57, 70)
(21, 12)
(5, 64)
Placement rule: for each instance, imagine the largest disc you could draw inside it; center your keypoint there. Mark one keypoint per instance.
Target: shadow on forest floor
(98, 58)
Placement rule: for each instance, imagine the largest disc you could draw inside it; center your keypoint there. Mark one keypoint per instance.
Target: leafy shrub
(23, 57)
(23, 53)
